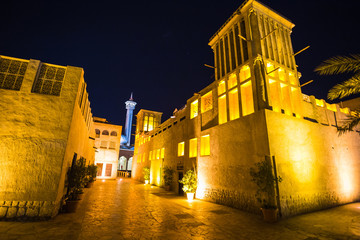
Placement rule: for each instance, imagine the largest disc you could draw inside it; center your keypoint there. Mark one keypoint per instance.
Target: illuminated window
(232, 82)
(206, 102)
(282, 75)
(319, 102)
(194, 109)
(221, 87)
(222, 109)
(270, 69)
(146, 121)
(205, 145)
(193, 147)
(154, 155)
(247, 102)
(274, 95)
(245, 73)
(162, 153)
(150, 155)
(234, 104)
(151, 123)
(158, 154)
(292, 78)
(285, 98)
(181, 149)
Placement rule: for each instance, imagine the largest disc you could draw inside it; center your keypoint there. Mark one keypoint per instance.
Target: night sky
(157, 49)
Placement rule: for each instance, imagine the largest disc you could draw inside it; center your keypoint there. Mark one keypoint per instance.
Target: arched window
(113, 133)
(105, 132)
(97, 132)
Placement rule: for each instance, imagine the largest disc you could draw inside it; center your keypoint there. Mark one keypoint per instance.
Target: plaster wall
(319, 168)
(34, 139)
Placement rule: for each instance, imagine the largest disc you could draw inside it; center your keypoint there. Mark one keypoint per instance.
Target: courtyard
(127, 209)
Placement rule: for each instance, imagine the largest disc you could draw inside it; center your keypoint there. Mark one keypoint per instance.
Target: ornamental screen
(50, 80)
(12, 73)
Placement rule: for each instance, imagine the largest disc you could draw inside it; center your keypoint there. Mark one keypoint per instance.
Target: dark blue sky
(157, 49)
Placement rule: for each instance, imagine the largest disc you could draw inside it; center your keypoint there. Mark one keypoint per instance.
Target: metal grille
(49, 80)
(12, 73)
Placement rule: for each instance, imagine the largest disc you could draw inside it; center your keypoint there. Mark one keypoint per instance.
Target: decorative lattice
(12, 73)
(50, 80)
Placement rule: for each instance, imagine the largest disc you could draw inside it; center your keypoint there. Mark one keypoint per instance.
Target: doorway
(181, 192)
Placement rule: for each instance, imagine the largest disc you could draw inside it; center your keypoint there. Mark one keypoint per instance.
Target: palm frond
(346, 88)
(350, 123)
(339, 64)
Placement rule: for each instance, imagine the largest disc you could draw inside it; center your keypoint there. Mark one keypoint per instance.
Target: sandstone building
(107, 143)
(46, 124)
(254, 109)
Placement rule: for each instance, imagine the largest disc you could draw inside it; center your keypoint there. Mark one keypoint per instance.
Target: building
(126, 148)
(107, 143)
(254, 110)
(46, 124)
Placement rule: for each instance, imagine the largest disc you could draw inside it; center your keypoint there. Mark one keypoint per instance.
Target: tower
(130, 106)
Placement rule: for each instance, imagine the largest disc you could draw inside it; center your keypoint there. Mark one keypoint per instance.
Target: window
(320, 103)
(282, 75)
(181, 149)
(247, 102)
(221, 87)
(146, 120)
(112, 145)
(162, 153)
(205, 145)
(194, 109)
(232, 82)
(193, 147)
(97, 133)
(234, 104)
(151, 123)
(103, 144)
(222, 109)
(12, 73)
(245, 73)
(158, 154)
(50, 80)
(206, 102)
(292, 78)
(113, 133)
(105, 132)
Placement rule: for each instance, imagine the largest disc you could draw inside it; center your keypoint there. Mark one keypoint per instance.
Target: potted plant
(189, 182)
(265, 180)
(75, 181)
(146, 172)
(168, 177)
(91, 175)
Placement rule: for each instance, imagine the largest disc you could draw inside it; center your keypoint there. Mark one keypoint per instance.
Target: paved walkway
(125, 209)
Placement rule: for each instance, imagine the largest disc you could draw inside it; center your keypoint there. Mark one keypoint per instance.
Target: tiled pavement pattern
(125, 209)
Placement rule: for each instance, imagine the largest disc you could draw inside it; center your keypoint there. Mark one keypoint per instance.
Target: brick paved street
(125, 209)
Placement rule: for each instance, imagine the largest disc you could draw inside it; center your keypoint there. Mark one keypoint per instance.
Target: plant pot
(270, 214)
(71, 206)
(146, 181)
(89, 184)
(167, 187)
(190, 196)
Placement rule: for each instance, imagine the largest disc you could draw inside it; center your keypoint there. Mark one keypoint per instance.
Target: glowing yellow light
(205, 145)
(146, 120)
(320, 103)
(274, 95)
(345, 110)
(292, 78)
(222, 109)
(232, 82)
(194, 109)
(234, 104)
(282, 76)
(247, 101)
(158, 154)
(151, 123)
(331, 107)
(181, 149)
(245, 73)
(103, 180)
(193, 147)
(162, 153)
(221, 87)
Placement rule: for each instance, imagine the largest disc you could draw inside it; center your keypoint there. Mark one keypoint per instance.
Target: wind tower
(130, 106)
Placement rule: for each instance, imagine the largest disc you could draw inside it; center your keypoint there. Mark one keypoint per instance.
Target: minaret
(130, 106)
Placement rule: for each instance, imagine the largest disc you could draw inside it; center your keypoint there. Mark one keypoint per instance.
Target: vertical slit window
(194, 109)
(244, 43)
(227, 52)
(193, 147)
(232, 50)
(234, 104)
(221, 87)
(146, 121)
(232, 82)
(222, 58)
(247, 101)
(205, 145)
(222, 109)
(237, 44)
(217, 56)
(181, 149)
(151, 123)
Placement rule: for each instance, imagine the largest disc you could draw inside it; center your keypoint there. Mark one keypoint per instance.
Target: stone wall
(38, 210)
